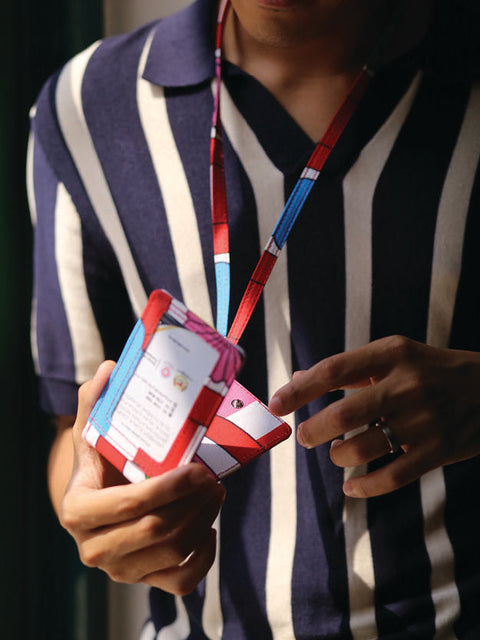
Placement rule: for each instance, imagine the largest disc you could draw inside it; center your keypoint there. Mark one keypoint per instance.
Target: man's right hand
(158, 531)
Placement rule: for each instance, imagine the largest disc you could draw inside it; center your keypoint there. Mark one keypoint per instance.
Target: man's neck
(307, 53)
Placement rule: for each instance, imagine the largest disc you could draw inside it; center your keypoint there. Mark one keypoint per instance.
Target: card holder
(169, 382)
(173, 398)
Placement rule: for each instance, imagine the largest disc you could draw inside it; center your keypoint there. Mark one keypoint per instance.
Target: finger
(402, 471)
(340, 371)
(347, 414)
(351, 369)
(407, 429)
(360, 449)
(176, 549)
(394, 395)
(171, 551)
(159, 540)
(86, 509)
(182, 580)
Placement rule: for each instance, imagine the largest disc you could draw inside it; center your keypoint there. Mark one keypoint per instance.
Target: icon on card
(180, 382)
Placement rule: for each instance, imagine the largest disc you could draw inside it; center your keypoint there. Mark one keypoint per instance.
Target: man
(385, 246)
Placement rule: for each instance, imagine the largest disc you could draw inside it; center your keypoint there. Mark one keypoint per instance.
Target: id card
(166, 388)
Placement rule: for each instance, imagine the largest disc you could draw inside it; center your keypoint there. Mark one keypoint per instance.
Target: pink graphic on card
(230, 358)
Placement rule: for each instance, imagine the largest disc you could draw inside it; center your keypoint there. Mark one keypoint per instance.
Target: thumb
(89, 393)
(86, 457)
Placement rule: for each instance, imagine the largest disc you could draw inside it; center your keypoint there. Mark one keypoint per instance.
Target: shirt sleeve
(66, 341)
(80, 310)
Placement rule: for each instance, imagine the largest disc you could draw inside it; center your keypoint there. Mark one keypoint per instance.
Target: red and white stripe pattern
(242, 430)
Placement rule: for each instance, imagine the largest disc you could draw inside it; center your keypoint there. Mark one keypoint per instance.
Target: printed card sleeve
(165, 390)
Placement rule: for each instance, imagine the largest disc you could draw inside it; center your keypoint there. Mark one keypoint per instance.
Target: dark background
(44, 592)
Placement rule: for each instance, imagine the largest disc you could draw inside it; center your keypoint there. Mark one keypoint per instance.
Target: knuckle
(414, 388)
(330, 368)
(151, 527)
(419, 390)
(91, 555)
(130, 507)
(400, 346)
(293, 391)
(68, 516)
(185, 586)
(118, 575)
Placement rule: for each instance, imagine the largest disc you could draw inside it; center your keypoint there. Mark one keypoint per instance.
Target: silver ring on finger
(393, 444)
(186, 559)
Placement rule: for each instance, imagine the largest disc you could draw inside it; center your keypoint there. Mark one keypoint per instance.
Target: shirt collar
(182, 50)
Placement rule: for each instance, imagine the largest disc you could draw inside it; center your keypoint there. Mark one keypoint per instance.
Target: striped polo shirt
(387, 244)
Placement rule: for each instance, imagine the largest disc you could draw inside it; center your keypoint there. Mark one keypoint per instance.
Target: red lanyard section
(294, 203)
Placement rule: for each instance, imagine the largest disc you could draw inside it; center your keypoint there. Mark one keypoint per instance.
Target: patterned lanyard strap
(294, 203)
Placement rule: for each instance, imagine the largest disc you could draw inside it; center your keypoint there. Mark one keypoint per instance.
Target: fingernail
(349, 490)
(301, 437)
(335, 443)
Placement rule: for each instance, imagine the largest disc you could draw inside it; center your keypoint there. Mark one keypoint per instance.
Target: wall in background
(45, 594)
(124, 15)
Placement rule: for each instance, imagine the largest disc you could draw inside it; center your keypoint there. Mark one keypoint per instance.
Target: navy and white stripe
(388, 243)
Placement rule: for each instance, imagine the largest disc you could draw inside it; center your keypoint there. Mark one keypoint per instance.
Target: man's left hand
(429, 398)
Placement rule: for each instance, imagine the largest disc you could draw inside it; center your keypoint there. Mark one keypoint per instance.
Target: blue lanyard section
(222, 277)
(280, 234)
(291, 211)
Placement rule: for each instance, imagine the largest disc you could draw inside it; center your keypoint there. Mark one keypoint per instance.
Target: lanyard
(294, 203)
